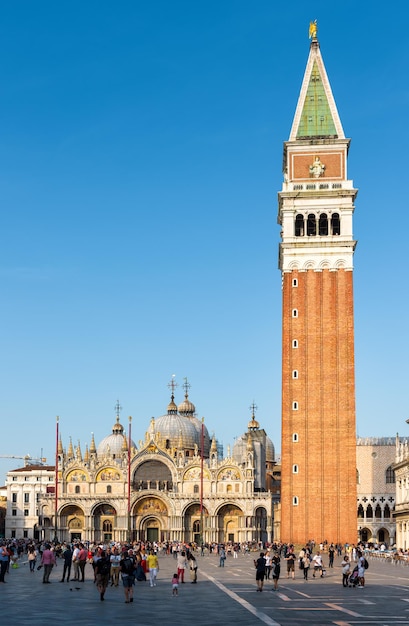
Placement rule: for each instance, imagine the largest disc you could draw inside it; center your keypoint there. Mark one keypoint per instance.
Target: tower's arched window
(299, 226)
(335, 224)
(323, 224)
(390, 475)
(295, 373)
(311, 225)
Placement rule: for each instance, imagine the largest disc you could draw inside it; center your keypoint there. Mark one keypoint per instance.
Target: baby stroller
(354, 579)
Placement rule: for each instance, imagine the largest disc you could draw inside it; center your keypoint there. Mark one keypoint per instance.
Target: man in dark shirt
(260, 566)
(67, 556)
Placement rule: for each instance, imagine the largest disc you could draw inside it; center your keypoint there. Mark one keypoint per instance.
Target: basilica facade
(175, 485)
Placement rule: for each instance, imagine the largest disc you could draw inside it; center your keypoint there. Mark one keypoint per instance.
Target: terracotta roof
(28, 468)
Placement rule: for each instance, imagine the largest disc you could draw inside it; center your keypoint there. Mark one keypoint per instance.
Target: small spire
(78, 452)
(60, 448)
(124, 444)
(86, 455)
(213, 447)
(70, 452)
(92, 447)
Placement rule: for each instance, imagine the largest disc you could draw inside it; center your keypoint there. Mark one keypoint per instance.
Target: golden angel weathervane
(313, 30)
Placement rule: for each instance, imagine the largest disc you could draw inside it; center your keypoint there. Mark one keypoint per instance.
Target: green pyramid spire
(316, 117)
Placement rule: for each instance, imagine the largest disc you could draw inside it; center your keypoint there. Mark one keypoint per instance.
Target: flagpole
(56, 481)
(201, 483)
(129, 479)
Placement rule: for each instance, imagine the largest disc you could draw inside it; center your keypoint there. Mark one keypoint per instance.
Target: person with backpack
(102, 571)
(127, 566)
(362, 566)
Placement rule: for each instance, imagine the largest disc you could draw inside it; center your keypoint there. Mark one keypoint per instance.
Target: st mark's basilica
(164, 488)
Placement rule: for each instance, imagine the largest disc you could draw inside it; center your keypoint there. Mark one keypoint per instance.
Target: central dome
(177, 430)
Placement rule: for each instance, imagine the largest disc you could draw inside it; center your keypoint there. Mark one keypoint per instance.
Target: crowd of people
(113, 563)
(353, 565)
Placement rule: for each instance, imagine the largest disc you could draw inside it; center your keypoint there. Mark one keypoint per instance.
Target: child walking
(175, 584)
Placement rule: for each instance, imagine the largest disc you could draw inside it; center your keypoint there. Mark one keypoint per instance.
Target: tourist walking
(32, 558)
(260, 566)
(181, 566)
(127, 566)
(222, 555)
(102, 569)
(317, 561)
(306, 564)
(82, 559)
(290, 558)
(276, 568)
(48, 561)
(153, 565)
(268, 565)
(76, 562)
(67, 556)
(115, 560)
(192, 568)
(4, 561)
(361, 570)
(175, 584)
(331, 554)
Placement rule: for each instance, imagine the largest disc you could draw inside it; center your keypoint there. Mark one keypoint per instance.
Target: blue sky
(140, 160)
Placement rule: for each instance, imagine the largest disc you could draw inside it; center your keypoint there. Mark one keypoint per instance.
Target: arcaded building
(376, 489)
(401, 514)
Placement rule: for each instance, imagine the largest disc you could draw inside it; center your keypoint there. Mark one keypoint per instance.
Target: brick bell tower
(316, 205)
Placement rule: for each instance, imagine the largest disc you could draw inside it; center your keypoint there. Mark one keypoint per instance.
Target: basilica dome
(177, 430)
(206, 438)
(114, 444)
(270, 451)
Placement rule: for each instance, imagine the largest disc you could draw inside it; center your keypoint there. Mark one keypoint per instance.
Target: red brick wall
(325, 420)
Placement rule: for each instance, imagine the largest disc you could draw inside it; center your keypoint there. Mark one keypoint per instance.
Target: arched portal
(150, 518)
(192, 523)
(383, 536)
(229, 524)
(72, 522)
(104, 522)
(261, 525)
